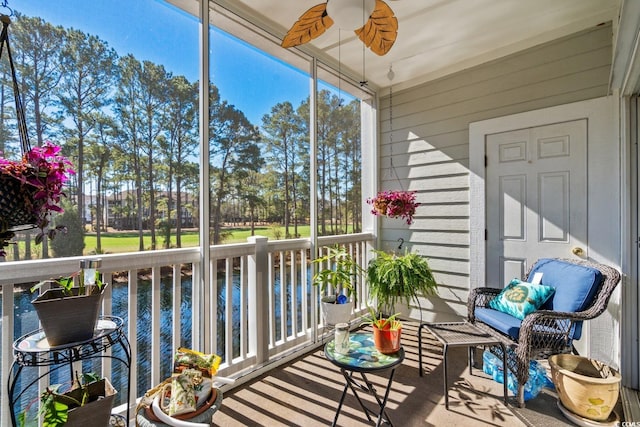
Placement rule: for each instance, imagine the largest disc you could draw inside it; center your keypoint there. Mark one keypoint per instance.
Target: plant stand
(33, 351)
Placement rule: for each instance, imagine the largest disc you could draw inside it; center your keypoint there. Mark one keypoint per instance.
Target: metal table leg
(353, 384)
(446, 386)
(344, 394)
(420, 347)
(383, 404)
(505, 370)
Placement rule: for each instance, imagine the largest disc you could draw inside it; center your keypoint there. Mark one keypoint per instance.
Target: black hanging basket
(16, 199)
(16, 209)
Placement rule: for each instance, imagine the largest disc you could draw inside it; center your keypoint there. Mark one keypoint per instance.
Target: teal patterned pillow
(520, 298)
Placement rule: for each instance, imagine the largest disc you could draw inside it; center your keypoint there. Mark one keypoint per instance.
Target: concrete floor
(306, 391)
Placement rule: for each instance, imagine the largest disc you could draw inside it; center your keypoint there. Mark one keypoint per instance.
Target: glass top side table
(363, 358)
(460, 334)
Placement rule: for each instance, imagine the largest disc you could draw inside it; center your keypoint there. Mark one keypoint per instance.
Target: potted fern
(336, 279)
(395, 279)
(399, 279)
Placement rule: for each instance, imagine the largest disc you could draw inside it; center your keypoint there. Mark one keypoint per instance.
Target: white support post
(258, 275)
(313, 189)
(202, 314)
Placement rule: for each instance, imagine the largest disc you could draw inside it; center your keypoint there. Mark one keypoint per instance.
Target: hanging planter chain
(13, 216)
(392, 169)
(22, 122)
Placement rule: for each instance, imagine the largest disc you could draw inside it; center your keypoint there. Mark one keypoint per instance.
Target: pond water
(27, 321)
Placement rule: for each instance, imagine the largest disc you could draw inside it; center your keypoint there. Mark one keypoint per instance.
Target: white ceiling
(437, 37)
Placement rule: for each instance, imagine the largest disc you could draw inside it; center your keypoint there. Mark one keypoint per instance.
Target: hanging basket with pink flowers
(32, 187)
(395, 204)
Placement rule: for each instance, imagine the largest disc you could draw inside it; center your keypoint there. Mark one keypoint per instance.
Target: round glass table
(363, 358)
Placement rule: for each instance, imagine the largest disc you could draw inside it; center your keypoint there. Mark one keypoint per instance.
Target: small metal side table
(33, 350)
(364, 359)
(459, 334)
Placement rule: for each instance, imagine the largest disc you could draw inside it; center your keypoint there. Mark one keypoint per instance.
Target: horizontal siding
(425, 145)
(559, 55)
(455, 117)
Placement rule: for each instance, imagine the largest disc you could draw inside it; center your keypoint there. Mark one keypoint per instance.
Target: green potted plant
(336, 282)
(396, 278)
(88, 402)
(386, 331)
(69, 313)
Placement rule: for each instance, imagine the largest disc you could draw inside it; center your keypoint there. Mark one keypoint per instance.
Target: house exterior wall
(425, 145)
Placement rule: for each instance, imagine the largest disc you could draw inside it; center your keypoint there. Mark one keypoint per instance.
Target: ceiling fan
(378, 33)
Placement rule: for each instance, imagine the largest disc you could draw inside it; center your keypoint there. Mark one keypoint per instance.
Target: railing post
(258, 276)
(7, 350)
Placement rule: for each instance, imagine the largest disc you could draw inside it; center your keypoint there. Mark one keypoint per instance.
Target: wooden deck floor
(306, 391)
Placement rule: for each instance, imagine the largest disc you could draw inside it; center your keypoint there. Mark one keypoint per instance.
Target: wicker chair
(546, 331)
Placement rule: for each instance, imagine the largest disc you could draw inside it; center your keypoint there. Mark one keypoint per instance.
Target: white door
(536, 189)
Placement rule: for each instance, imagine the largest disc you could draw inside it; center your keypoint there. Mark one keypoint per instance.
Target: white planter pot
(335, 313)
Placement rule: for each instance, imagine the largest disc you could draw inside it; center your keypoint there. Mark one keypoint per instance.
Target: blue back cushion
(576, 285)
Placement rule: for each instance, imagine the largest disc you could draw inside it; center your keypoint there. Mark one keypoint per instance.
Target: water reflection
(26, 321)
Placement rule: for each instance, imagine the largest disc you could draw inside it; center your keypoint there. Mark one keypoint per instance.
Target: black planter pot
(68, 319)
(16, 216)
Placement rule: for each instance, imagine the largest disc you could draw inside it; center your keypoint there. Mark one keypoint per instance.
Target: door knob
(578, 251)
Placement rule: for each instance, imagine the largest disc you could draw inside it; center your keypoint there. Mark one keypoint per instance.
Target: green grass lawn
(118, 242)
(127, 241)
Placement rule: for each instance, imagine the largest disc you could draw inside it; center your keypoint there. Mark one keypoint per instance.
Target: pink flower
(395, 204)
(47, 171)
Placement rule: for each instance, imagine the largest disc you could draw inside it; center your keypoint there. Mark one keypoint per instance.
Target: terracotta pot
(586, 387)
(387, 340)
(68, 319)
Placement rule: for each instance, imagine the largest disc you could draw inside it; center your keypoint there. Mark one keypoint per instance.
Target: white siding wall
(430, 135)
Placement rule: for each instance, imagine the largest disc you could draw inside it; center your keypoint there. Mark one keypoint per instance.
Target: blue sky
(156, 31)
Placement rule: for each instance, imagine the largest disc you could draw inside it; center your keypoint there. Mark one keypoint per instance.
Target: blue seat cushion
(499, 321)
(509, 325)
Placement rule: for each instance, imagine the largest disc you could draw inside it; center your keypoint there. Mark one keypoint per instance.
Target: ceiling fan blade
(310, 25)
(381, 30)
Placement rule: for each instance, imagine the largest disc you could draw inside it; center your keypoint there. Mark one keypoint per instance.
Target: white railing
(270, 307)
